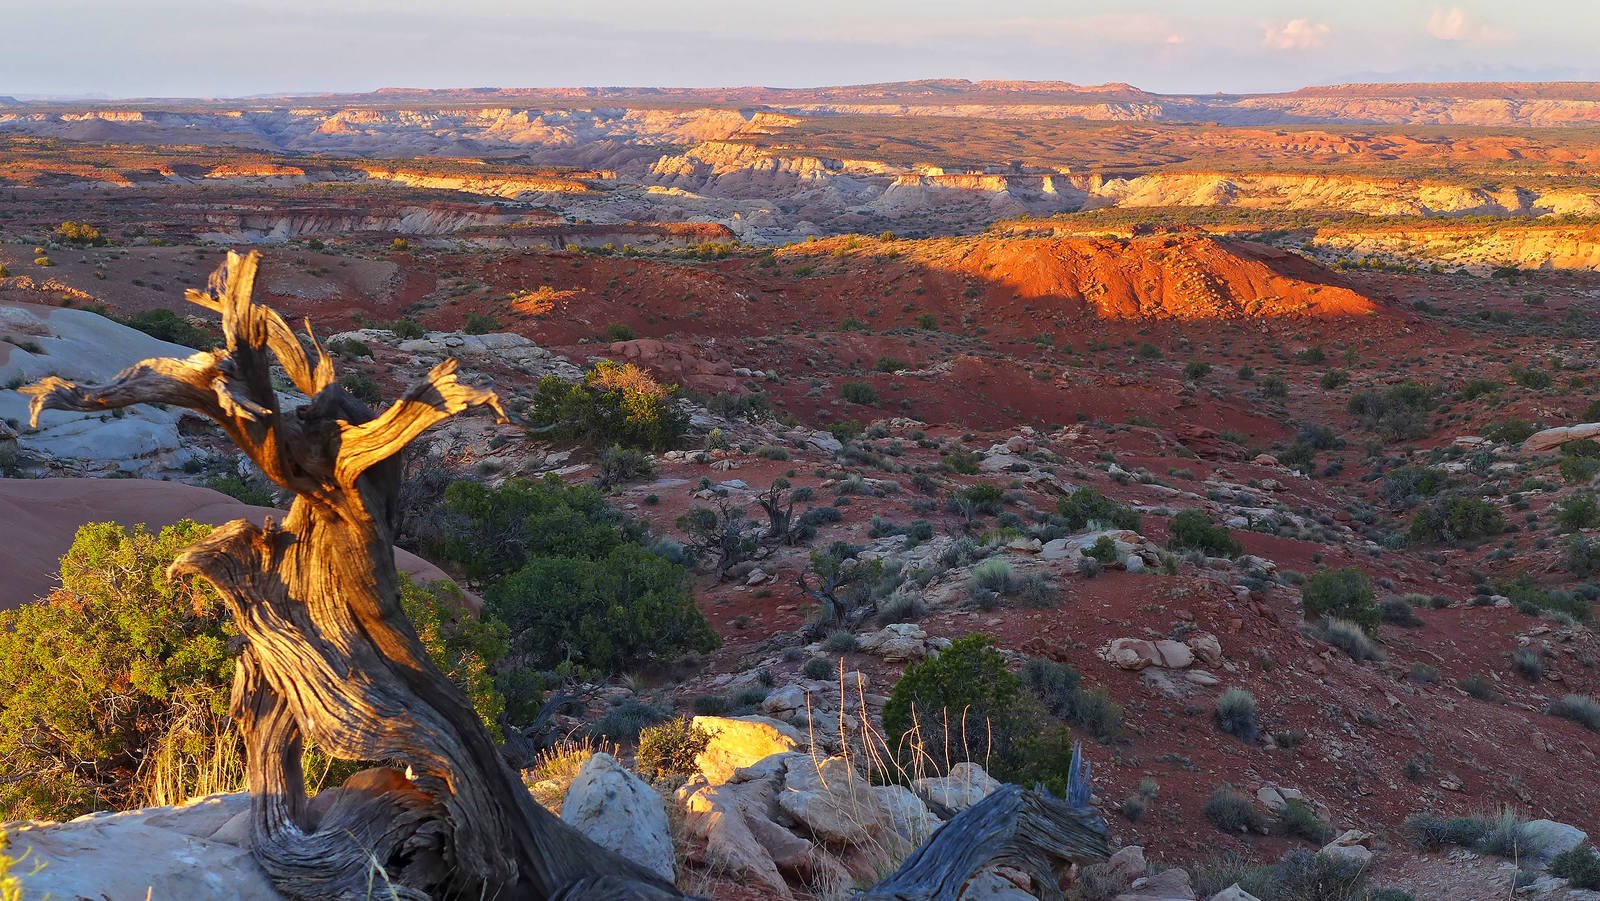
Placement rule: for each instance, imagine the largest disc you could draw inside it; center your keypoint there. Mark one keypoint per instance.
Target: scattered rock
(1137, 653)
(1234, 893)
(901, 643)
(619, 811)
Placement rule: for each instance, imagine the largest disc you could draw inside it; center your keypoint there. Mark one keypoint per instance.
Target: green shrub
(1479, 687)
(1397, 414)
(480, 324)
(619, 465)
(492, 532)
(627, 720)
(1235, 714)
(256, 491)
(1059, 688)
(466, 648)
(1350, 638)
(122, 672)
(96, 676)
(615, 404)
(1400, 613)
(1194, 530)
(1230, 811)
(1457, 518)
(1343, 593)
(1578, 470)
(1510, 431)
(618, 331)
(1194, 370)
(362, 386)
(818, 668)
(1578, 512)
(166, 325)
(1409, 485)
(1580, 866)
(1527, 664)
(1299, 820)
(992, 575)
(668, 750)
(606, 613)
(1087, 507)
(1530, 597)
(859, 393)
(407, 329)
(965, 705)
(1104, 549)
(1581, 709)
(1582, 556)
(711, 705)
(349, 347)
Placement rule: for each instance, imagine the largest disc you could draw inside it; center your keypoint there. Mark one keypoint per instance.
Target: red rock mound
(1176, 277)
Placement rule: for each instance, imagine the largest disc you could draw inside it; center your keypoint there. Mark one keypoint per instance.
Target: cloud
(1456, 24)
(1296, 34)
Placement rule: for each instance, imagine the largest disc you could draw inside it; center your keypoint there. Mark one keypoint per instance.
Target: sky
(230, 48)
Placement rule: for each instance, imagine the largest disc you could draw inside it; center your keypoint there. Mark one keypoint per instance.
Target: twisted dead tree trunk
(330, 656)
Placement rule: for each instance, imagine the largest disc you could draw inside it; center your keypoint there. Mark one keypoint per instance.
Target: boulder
(909, 817)
(1126, 865)
(1167, 885)
(1138, 653)
(192, 852)
(1353, 847)
(785, 700)
(966, 785)
(619, 811)
(1234, 893)
(1547, 838)
(832, 801)
(1206, 647)
(740, 742)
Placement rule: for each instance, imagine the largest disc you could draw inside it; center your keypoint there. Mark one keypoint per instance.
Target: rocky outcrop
(831, 801)
(87, 348)
(737, 742)
(1548, 440)
(619, 811)
(195, 852)
(901, 643)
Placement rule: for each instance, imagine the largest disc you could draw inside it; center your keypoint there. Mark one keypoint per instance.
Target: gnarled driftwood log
(330, 656)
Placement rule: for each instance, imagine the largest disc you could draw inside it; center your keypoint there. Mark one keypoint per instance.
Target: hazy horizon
(243, 48)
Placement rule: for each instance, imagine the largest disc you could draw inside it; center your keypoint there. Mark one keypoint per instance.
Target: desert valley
(865, 449)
